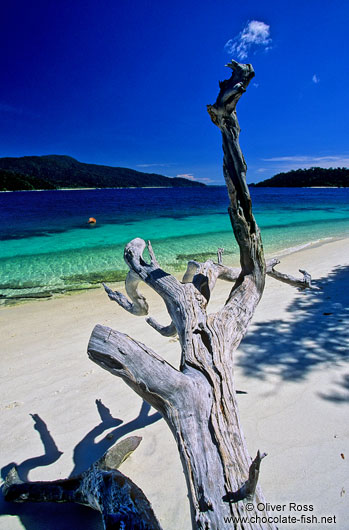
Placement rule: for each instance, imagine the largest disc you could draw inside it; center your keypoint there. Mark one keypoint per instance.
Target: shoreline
(251, 185)
(51, 295)
(291, 367)
(115, 188)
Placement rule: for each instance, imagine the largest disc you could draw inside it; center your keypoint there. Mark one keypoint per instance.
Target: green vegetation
(305, 178)
(12, 181)
(60, 171)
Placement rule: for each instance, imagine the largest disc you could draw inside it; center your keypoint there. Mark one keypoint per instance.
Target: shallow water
(46, 245)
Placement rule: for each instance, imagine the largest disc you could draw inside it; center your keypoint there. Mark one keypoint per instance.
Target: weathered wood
(301, 283)
(248, 489)
(139, 305)
(198, 401)
(213, 271)
(166, 331)
(102, 487)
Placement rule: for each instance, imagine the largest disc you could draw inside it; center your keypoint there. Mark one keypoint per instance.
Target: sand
(292, 366)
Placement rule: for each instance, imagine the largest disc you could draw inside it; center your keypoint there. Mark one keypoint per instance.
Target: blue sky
(126, 83)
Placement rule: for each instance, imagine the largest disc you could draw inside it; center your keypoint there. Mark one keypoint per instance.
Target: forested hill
(60, 171)
(305, 178)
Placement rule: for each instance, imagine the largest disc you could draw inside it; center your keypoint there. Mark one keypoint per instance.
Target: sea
(47, 245)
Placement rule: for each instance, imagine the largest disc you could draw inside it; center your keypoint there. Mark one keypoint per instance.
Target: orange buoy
(92, 221)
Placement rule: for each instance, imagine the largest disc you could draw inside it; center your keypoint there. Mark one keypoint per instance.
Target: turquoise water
(46, 245)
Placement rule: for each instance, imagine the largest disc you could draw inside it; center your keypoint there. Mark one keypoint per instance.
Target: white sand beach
(292, 368)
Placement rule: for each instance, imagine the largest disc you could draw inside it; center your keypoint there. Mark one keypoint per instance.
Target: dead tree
(102, 487)
(198, 401)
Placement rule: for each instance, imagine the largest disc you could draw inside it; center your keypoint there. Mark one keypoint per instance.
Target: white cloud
(152, 165)
(296, 158)
(190, 176)
(206, 180)
(306, 161)
(315, 79)
(255, 33)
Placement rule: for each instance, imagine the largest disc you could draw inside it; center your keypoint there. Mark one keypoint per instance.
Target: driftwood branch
(142, 369)
(213, 271)
(301, 283)
(248, 489)
(121, 503)
(198, 401)
(166, 331)
(138, 306)
(253, 473)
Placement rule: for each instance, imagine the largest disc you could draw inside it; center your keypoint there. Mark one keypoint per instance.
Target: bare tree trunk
(198, 401)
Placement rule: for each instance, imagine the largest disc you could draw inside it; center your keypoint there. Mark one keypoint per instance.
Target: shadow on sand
(51, 516)
(316, 335)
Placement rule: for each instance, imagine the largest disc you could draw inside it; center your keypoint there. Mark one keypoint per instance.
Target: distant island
(51, 172)
(306, 178)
